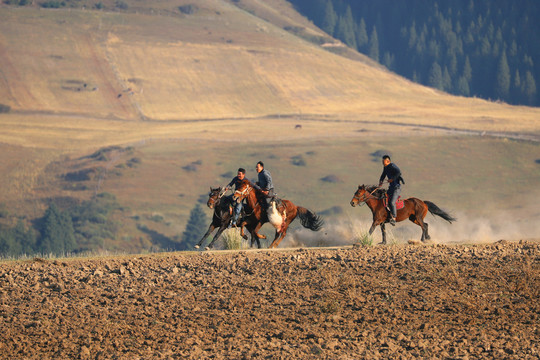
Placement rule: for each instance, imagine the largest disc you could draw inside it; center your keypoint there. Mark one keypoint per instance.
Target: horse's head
(214, 196)
(242, 190)
(359, 195)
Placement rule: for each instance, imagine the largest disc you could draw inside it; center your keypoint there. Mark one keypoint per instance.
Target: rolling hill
(222, 84)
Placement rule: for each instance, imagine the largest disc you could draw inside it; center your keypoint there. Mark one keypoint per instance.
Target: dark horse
(414, 209)
(221, 217)
(280, 219)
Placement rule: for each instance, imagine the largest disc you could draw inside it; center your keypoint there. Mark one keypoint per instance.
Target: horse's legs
(426, 232)
(210, 229)
(418, 221)
(242, 233)
(280, 235)
(218, 234)
(255, 235)
(383, 231)
(372, 228)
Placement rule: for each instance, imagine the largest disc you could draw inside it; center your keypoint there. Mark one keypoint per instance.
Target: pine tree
(412, 36)
(435, 79)
(388, 60)
(462, 87)
(8, 245)
(467, 70)
(446, 80)
(361, 35)
(329, 19)
(373, 51)
(502, 86)
(195, 228)
(25, 237)
(57, 235)
(528, 88)
(345, 29)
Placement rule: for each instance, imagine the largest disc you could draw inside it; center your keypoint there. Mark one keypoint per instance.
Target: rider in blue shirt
(264, 182)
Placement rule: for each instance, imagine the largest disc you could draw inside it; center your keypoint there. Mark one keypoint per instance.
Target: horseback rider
(264, 183)
(240, 175)
(392, 172)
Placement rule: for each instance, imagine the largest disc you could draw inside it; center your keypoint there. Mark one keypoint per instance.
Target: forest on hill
(488, 49)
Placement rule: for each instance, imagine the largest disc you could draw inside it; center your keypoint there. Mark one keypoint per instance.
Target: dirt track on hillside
(455, 302)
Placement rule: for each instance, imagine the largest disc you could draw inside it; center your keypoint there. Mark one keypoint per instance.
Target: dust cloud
(467, 229)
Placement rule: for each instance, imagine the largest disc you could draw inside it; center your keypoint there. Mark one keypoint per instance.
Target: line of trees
(80, 227)
(481, 48)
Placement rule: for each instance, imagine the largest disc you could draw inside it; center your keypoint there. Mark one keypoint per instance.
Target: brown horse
(256, 216)
(414, 209)
(221, 217)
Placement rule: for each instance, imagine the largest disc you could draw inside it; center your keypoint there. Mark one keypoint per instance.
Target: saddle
(399, 203)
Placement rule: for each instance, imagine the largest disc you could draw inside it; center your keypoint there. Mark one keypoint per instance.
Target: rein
(246, 192)
(362, 202)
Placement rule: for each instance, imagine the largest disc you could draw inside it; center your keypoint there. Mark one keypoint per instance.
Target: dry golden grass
(221, 62)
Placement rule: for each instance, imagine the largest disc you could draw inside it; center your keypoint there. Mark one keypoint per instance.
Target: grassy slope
(227, 64)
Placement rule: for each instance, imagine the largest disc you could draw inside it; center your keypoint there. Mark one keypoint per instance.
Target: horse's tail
(309, 219)
(435, 210)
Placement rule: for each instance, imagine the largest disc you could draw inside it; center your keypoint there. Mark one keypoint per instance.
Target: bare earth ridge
(439, 301)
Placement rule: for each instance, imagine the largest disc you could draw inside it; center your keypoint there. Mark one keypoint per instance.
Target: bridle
(242, 194)
(362, 200)
(215, 200)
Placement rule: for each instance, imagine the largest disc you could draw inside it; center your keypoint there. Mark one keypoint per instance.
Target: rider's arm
(231, 183)
(383, 175)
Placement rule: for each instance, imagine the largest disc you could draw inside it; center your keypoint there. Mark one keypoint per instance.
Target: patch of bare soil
(454, 302)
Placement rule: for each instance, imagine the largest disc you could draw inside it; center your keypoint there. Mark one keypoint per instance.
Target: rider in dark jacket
(238, 205)
(392, 172)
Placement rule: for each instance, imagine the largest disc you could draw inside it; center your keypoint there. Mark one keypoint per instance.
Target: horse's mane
(375, 190)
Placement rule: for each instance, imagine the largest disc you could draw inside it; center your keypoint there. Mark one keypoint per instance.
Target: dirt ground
(401, 301)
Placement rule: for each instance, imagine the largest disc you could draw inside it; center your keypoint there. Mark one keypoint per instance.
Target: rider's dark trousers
(393, 194)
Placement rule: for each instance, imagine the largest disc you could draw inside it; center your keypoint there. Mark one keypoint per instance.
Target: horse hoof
(382, 243)
(245, 237)
(197, 246)
(207, 248)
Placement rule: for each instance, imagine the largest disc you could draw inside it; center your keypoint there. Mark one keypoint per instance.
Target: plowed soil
(438, 301)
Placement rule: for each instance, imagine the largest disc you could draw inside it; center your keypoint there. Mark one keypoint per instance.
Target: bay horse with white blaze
(256, 216)
(414, 209)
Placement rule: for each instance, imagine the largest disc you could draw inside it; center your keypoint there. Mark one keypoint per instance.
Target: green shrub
(298, 160)
(53, 4)
(122, 5)
(4, 108)
(232, 240)
(364, 239)
(188, 9)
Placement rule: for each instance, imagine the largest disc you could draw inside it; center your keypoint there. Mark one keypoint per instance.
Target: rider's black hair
(242, 170)
(261, 163)
(386, 157)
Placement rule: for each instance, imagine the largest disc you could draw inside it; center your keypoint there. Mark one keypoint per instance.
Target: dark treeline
(77, 228)
(484, 48)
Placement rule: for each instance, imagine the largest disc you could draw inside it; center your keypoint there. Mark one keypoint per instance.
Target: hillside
(174, 101)
(221, 61)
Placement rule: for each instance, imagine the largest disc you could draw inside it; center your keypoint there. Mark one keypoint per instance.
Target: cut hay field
(224, 87)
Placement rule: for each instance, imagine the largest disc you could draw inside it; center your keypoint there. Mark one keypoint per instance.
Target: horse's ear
(211, 189)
